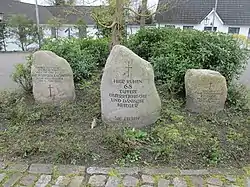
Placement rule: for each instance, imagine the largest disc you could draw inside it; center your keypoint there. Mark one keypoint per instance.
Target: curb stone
(40, 175)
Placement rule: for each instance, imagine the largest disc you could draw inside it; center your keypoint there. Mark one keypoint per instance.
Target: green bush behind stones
(85, 56)
(173, 51)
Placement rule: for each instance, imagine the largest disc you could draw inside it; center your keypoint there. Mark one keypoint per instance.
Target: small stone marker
(128, 92)
(52, 78)
(206, 91)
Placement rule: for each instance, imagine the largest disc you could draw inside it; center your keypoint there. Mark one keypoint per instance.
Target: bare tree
(143, 12)
(115, 19)
(119, 19)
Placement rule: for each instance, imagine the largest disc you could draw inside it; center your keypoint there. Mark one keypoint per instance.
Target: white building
(231, 16)
(68, 16)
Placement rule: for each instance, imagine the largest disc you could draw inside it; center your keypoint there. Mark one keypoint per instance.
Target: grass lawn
(63, 134)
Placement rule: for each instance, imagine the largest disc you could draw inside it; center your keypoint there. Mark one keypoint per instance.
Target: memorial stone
(52, 78)
(128, 93)
(206, 91)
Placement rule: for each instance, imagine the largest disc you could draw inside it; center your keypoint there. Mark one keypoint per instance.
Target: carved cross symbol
(50, 93)
(129, 67)
(210, 85)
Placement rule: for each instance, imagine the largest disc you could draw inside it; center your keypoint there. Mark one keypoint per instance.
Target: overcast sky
(151, 3)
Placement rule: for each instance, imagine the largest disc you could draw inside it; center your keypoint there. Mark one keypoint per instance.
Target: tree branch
(137, 14)
(105, 26)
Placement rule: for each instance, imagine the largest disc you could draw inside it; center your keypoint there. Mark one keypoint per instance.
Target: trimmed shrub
(238, 97)
(22, 75)
(85, 56)
(173, 51)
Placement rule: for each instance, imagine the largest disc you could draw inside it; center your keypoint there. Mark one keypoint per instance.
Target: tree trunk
(117, 28)
(143, 12)
(22, 45)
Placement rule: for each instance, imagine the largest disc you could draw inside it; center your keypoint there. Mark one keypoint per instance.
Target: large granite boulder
(52, 78)
(206, 91)
(128, 93)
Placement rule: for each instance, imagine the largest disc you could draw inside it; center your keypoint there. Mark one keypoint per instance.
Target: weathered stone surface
(127, 171)
(2, 165)
(52, 78)
(43, 181)
(230, 178)
(97, 180)
(70, 169)
(98, 170)
(194, 172)
(129, 181)
(76, 181)
(62, 181)
(18, 167)
(105, 171)
(160, 171)
(2, 176)
(59, 180)
(206, 91)
(248, 182)
(41, 168)
(28, 180)
(147, 179)
(226, 171)
(128, 93)
(113, 182)
(197, 181)
(214, 181)
(163, 183)
(179, 182)
(12, 180)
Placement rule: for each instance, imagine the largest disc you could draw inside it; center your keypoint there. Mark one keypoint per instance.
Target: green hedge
(173, 51)
(85, 56)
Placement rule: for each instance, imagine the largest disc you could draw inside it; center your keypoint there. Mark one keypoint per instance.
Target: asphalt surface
(7, 65)
(9, 60)
(245, 77)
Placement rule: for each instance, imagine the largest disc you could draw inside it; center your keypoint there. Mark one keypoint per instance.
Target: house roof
(69, 14)
(11, 7)
(72, 14)
(232, 12)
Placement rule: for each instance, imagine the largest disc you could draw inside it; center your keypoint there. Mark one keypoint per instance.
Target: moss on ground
(62, 134)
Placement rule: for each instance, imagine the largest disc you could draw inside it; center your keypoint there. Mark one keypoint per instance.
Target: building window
(206, 21)
(188, 27)
(233, 30)
(170, 26)
(210, 28)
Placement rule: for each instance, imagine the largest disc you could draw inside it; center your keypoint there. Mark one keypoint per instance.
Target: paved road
(7, 64)
(8, 61)
(245, 77)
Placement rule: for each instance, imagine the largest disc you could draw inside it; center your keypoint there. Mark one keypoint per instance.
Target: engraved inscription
(130, 118)
(208, 97)
(48, 74)
(127, 97)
